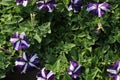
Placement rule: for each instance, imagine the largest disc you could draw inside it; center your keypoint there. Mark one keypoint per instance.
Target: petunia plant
(45, 75)
(20, 41)
(74, 70)
(75, 5)
(48, 5)
(50, 43)
(27, 62)
(98, 9)
(22, 2)
(114, 71)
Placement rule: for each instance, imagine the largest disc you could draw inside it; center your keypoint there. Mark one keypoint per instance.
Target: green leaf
(38, 38)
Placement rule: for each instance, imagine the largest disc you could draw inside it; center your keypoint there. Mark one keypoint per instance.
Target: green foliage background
(61, 36)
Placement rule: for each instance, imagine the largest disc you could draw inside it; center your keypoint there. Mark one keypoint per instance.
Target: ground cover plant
(61, 39)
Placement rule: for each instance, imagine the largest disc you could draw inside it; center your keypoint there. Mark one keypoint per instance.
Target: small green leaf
(38, 38)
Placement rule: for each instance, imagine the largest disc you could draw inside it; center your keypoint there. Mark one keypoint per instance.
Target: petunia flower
(27, 62)
(74, 70)
(114, 71)
(48, 5)
(20, 41)
(45, 75)
(98, 8)
(75, 5)
(23, 2)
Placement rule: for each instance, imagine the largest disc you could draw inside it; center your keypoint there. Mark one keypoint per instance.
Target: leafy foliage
(62, 36)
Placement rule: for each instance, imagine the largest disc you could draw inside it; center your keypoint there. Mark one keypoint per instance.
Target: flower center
(20, 39)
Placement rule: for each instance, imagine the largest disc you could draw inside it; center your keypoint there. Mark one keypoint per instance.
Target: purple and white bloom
(114, 71)
(48, 5)
(45, 75)
(75, 5)
(74, 70)
(23, 2)
(20, 41)
(98, 8)
(27, 62)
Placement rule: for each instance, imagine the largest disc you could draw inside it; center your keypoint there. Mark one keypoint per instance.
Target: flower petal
(33, 57)
(25, 2)
(25, 43)
(16, 45)
(50, 74)
(43, 72)
(25, 68)
(32, 65)
(14, 40)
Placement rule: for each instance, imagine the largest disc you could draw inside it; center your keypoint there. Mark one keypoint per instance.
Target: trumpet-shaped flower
(27, 62)
(48, 5)
(75, 5)
(45, 75)
(98, 8)
(23, 2)
(114, 71)
(19, 41)
(74, 70)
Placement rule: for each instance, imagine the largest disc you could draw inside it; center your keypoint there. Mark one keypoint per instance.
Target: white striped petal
(40, 6)
(47, 1)
(25, 68)
(99, 12)
(24, 56)
(91, 8)
(104, 8)
(33, 57)
(17, 45)
(22, 35)
(76, 1)
(40, 2)
(112, 71)
(70, 73)
(25, 43)
(19, 63)
(118, 68)
(49, 74)
(70, 8)
(16, 34)
(40, 78)
(17, 3)
(118, 77)
(75, 76)
(43, 72)
(71, 67)
(77, 68)
(33, 65)
(101, 4)
(50, 10)
(75, 11)
(25, 2)
(14, 40)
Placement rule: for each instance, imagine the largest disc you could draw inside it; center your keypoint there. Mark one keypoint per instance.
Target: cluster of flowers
(27, 62)
(49, 5)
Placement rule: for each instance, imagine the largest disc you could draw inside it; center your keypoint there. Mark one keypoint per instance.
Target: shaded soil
(17, 76)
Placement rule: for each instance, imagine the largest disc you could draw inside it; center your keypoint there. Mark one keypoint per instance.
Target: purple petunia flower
(20, 41)
(75, 5)
(45, 75)
(48, 5)
(98, 8)
(114, 71)
(27, 62)
(23, 2)
(74, 70)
